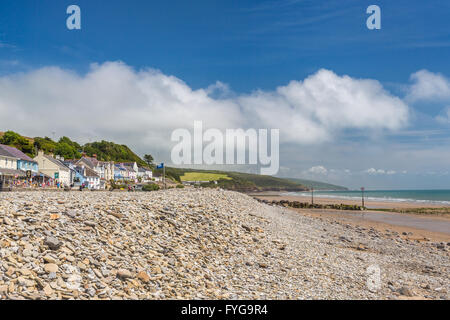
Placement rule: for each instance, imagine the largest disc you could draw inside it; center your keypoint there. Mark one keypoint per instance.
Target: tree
(70, 143)
(46, 144)
(149, 159)
(67, 151)
(13, 139)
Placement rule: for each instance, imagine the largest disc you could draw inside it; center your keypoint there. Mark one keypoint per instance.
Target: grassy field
(203, 176)
(232, 180)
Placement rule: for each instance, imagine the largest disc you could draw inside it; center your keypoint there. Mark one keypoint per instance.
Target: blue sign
(161, 166)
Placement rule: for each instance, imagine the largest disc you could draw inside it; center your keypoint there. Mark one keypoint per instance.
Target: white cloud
(315, 109)
(375, 171)
(318, 170)
(141, 108)
(428, 86)
(444, 118)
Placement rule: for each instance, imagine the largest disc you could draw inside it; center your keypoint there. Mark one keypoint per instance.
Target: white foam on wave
(375, 199)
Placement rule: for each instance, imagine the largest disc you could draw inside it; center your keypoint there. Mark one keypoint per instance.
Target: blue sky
(263, 45)
(249, 44)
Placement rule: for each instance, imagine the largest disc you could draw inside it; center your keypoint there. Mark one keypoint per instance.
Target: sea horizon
(430, 196)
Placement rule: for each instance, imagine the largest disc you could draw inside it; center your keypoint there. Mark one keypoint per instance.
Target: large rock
(51, 268)
(124, 274)
(406, 291)
(52, 243)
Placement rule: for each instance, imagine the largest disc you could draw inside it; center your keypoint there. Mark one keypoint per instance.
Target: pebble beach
(202, 244)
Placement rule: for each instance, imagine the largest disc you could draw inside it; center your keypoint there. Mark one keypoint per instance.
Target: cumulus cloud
(444, 118)
(430, 86)
(318, 170)
(141, 108)
(323, 104)
(374, 171)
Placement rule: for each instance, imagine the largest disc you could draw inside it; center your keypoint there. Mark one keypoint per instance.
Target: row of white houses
(55, 170)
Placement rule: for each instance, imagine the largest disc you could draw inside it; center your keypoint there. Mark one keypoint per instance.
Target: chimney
(40, 152)
(57, 157)
(62, 158)
(95, 156)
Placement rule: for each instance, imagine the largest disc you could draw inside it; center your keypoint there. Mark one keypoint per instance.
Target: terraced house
(104, 169)
(24, 162)
(54, 168)
(8, 168)
(14, 166)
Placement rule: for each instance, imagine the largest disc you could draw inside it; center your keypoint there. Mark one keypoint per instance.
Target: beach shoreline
(416, 227)
(370, 204)
(201, 244)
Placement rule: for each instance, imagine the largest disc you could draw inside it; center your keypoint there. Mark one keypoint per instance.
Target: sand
(416, 227)
(368, 204)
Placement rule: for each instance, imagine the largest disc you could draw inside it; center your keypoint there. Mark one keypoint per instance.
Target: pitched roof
(129, 168)
(16, 153)
(5, 153)
(70, 161)
(90, 173)
(93, 160)
(57, 162)
(88, 161)
(131, 164)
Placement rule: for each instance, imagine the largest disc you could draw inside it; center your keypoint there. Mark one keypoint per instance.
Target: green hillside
(318, 185)
(65, 147)
(110, 151)
(238, 181)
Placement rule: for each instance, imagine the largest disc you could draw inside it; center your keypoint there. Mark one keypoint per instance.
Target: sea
(416, 196)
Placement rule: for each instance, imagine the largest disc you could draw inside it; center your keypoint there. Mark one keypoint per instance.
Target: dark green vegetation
(148, 158)
(243, 182)
(64, 147)
(150, 187)
(318, 185)
(13, 139)
(420, 211)
(306, 205)
(105, 151)
(109, 151)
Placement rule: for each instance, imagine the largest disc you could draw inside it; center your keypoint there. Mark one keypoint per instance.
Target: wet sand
(416, 227)
(367, 204)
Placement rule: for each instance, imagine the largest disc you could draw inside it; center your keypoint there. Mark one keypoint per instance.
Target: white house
(145, 174)
(92, 179)
(8, 168)
(104, 169)
(7, 161)
(54, 168)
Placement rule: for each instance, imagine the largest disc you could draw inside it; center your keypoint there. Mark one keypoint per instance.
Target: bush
(180, 186)
(118, 186)
(150, 187)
